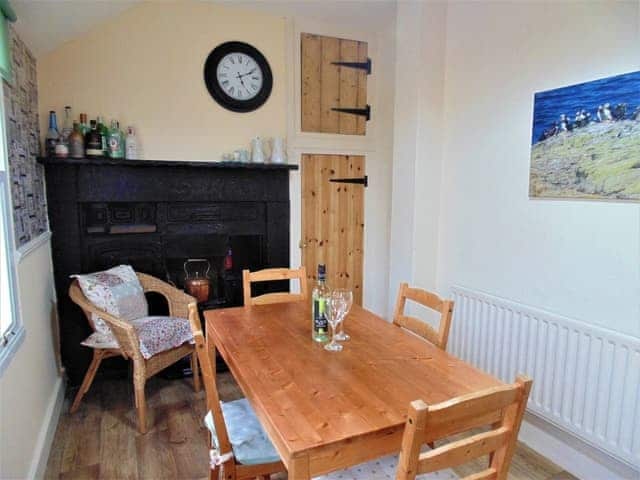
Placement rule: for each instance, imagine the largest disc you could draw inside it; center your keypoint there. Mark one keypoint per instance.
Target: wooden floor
(101, 439)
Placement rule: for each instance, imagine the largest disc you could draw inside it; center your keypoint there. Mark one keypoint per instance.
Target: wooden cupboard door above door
(333, 220)
(326, 86)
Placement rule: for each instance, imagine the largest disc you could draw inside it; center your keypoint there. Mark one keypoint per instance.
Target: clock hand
(248, 73)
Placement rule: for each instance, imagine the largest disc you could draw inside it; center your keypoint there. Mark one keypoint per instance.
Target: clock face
(238, 76)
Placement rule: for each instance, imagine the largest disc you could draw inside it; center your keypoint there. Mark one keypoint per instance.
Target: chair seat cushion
(382, 469)
(250, 443)
(155, 333)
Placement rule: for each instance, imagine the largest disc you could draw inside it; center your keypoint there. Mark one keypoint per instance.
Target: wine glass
(334, 312)
(346, 297)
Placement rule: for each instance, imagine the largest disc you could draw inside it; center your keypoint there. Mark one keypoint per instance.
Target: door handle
(302, 244)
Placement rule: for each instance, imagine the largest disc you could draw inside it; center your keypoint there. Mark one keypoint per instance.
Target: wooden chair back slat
(500, 407)
(274, 274)
(458, 453)
(429, 300)
(209, 380)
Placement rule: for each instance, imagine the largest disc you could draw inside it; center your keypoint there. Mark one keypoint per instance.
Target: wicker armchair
(127, 338)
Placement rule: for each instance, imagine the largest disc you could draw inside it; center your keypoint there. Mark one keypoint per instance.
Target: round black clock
(238, 76)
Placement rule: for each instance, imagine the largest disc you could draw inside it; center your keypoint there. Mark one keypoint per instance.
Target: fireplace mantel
(165, 163)
(154, 215)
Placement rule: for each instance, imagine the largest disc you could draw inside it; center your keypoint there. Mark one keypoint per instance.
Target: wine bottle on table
(84, 125)
(53, 136)
(93, 141)
(319, 297)
(67, 125)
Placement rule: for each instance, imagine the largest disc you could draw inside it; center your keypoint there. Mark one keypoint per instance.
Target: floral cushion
(116, 291)
(156, 334)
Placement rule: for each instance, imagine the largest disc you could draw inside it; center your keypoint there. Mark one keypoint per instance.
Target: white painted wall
(417, 148)
(576, 258)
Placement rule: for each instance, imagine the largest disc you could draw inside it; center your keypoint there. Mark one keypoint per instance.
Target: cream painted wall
(30, 387)
(145, 68)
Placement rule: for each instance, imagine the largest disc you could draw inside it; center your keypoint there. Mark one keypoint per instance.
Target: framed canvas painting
(585, 140)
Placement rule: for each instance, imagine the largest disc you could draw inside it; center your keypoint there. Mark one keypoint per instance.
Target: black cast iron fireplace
(154, 215)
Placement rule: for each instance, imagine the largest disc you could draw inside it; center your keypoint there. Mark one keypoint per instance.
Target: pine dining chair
(430, 300)
(500, 409)
(239, 445)
(274, 274)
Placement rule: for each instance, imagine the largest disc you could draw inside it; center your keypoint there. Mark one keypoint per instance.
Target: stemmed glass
(346, 296)
(335, 311)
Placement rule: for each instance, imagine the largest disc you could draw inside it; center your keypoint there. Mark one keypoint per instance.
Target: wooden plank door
(325, 86)
(333, 220)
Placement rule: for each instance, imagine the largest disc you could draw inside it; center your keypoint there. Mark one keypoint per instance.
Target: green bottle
(319, 297)
(115, 141)
(104, 134)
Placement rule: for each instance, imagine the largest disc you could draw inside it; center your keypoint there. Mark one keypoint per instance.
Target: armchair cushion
(250, 443)
(156, 334)
(117, 291)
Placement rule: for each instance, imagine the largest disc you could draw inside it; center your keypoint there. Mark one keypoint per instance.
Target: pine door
(326, 86)
(333, 219)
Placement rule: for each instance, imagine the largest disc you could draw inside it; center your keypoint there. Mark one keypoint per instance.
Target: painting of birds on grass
(585, 140)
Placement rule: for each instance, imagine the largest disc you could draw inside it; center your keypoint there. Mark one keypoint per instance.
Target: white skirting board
(568, 452)
(47, 431)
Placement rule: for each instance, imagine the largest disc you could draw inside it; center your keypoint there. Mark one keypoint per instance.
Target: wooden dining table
(324, 410)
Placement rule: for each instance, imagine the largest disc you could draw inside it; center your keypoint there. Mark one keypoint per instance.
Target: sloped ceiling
(46, 24)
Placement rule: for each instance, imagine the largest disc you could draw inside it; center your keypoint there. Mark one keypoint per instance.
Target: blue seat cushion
(250, 443)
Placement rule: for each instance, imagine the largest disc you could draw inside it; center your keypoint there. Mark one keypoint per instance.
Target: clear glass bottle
(67, 125)
(53, 136)
(319, 297)
(131, 145)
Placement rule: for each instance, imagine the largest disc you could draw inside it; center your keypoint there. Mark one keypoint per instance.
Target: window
(11, 329)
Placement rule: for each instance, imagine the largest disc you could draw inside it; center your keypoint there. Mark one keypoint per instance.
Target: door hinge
(357, 181)
(363, 112)
(366, 66)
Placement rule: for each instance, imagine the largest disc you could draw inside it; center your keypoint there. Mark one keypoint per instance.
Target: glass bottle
(76, 142)
(52, 138)
(116, 148)
(319, 297)
(131, 145)
(93, 141)
(104, 135)
(67, 125)
(84, 125)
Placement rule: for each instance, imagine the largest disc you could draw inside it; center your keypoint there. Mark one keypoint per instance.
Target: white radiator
(586, 380)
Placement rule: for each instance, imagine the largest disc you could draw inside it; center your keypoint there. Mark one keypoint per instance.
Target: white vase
(257, 154)
(277, 151)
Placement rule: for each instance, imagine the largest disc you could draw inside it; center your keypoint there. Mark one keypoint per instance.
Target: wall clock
(238, 76)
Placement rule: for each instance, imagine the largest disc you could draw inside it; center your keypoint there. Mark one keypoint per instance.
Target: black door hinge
(357, 181)
(366, 66)
(363, 112)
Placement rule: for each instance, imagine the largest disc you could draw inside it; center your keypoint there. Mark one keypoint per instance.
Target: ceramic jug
(257, 154)
(277, 151)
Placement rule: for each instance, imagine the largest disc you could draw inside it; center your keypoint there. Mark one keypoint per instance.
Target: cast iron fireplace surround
(154, 215)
